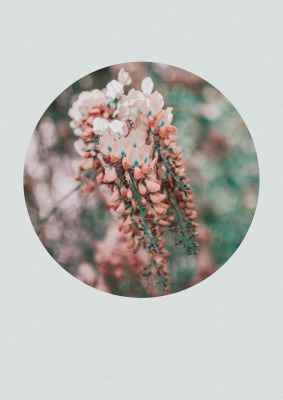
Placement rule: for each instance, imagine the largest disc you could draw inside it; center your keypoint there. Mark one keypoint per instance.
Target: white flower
(135, 98)
(100, 125)
(124, 77)
(78, 131)
(138, 103)
(98, 97)
(79, 146)
(130, 105)
(118, 128)
(85, 102)
(147, 85)
(141, 122)
(131, 109)
(165, 117)
(114, 89)
(156, 103)
(74, 113)
(123, 109)
(137, 137)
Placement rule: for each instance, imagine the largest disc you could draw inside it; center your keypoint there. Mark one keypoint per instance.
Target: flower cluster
(119, 264)
(130, 154)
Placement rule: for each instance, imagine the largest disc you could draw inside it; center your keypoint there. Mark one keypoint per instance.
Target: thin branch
(185, 239)
(60, 201)
(179, 183)
(142, 211)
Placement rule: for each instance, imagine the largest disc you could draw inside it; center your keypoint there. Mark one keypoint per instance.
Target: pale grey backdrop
(63, 340)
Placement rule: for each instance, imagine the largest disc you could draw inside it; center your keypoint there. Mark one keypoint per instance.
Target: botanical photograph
(141, 179)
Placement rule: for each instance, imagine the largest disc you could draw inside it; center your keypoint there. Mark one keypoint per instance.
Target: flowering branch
(178, 181)
(186, 232)
(151, 240)
(128, 141)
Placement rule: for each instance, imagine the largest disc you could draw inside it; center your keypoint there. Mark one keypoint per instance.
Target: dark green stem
(189, 244)
(142, 211)
(180, 184)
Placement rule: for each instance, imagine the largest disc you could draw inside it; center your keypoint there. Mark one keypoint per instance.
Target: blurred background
(77, 229)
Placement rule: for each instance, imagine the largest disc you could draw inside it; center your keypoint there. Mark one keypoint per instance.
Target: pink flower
(106, 144)
(138, 156)
(157, 197)
(137, 138)
(152, 185)
(131, 105)
(85, 102)
(138, 166)
(149, 166)
(142, 188)
(135, 98)
(165, 117)
(118, 128)
(110, 174)
(120, 149)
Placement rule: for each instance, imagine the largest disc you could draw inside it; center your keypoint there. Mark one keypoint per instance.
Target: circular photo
(141, 179)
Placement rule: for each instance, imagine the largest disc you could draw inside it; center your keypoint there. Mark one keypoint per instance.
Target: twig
(142, 211)
(60, 201)
(185, 240)
(180, 184)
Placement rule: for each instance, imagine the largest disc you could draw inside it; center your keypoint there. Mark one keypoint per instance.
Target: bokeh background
(76, 227)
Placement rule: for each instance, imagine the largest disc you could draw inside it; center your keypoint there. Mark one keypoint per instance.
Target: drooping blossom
(128, 142)
(114, 89)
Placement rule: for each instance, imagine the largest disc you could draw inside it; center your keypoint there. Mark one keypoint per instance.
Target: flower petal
(162, 222)
(110, 174)
(118, 128)
(156, 103)
(79, 146)
(100, 125)
(147, 85)
(106, 143)
(137, 138)
(165, 117)
(142, 188)
(157, 197)
(114, 89)
(152, 186)
(124, 77)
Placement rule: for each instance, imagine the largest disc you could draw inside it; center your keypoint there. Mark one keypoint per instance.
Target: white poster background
(61, 339)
